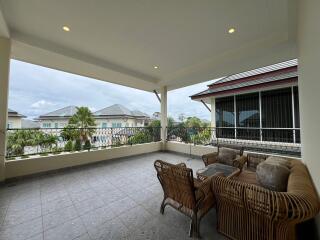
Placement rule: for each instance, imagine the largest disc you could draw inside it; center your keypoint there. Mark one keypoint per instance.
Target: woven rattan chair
(238, 162)
(184, 193)
(248, 211)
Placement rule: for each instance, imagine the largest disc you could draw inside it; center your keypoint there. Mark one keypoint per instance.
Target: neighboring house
(112, 116)
(120, 116)
(262, 104)
(14, 119)
(58, 118)
(26, 123)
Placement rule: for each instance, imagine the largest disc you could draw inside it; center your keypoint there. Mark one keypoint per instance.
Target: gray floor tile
(135, 217)
(111, 230)
(67, 231)
(22, 231)
(97, 217)
(58, 217)
(16, 217)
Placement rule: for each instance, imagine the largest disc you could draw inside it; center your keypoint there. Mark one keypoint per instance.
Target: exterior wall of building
(53, 123)
(100, 122)
(14, 122)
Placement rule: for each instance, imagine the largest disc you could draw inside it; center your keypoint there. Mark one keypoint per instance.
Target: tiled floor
(119, 199)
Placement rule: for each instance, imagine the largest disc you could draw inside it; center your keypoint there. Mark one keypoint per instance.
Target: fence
(26, 142)
(282, 141)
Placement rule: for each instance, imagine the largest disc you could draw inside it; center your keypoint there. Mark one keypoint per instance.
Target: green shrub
(140, 137)
(77, 145)
(24, 156)
(68, 146)
(87, 145)
(43, 154)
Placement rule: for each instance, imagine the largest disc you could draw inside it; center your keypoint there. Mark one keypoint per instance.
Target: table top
(215, 168)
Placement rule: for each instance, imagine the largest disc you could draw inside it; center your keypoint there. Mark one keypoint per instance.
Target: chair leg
(162, 206)
(194, 227)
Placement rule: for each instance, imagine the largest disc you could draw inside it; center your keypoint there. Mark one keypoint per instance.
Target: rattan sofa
(190, 196)
(248, 211)
(238, 162)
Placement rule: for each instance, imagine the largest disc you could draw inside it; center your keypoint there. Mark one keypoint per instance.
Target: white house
(14, 119)
(113, 116)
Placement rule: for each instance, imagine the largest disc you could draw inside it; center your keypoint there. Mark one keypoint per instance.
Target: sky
(36, 90)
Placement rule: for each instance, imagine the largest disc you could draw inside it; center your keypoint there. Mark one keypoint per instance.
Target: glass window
(119, 125)
(10, 125)
(114, 125)
(225, 117)
(296, 112)
(104, 125)
(277, 113)
(56, 125)
(248, 116)
(46, 125)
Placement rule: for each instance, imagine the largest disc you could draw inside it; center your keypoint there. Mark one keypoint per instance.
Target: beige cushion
(273, 176)
(226, 156)
(279, 160)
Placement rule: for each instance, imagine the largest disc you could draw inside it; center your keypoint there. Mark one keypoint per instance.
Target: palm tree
(84, 120)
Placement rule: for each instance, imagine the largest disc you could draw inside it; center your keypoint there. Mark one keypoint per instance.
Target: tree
(193, 122)
(82, 119)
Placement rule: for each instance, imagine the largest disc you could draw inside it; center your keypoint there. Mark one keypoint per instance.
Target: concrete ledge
(195, 150)
(17, 168)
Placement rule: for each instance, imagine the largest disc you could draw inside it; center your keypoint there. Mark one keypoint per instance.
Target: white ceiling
(120, 41)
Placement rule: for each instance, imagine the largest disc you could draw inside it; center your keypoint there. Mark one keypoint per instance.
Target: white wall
(15, 168)
(309, 84)
(15, 122)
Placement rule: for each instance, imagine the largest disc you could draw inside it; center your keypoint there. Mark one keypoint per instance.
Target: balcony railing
(21, 143)
(284, 141)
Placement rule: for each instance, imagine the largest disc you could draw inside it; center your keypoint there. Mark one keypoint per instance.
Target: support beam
(156, 93)
(164, 117)
(205, 105)
(5, 48)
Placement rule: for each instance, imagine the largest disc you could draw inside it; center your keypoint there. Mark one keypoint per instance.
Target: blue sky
(35, 90)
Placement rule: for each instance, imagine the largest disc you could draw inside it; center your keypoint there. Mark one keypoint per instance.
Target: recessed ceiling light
(231, 30)
(155, 67)
(66, 28)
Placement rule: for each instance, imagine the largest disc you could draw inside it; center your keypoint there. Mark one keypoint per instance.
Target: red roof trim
(238, 90)
(255, 77)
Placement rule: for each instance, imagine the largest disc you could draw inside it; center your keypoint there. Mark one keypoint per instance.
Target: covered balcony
(112, 191)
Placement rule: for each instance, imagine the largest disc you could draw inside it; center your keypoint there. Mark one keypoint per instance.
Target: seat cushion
(279, 160)
(273, 176)
(226, 156)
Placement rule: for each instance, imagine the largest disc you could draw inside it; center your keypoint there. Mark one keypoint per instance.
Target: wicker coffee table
(217, 168)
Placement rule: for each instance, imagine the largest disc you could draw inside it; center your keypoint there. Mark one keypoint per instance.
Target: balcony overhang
(188, 42)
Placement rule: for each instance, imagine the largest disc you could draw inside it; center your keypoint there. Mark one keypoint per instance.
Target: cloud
(42, 104)
(36, 90)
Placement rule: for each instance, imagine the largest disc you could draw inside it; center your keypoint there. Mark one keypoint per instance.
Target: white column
(213, 117)
(309, 84)
(5, 47)
(164, 117)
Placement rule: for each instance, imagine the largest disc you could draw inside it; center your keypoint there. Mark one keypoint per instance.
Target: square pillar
(5, 48)
(213, 117)
(164, 116)
(309, 84)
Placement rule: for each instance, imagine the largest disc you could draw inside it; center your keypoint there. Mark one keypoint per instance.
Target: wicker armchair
(238, 162)
(190, 196)
(248, 211)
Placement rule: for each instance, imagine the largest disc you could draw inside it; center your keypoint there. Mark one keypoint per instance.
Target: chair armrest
(239, 162)
(257, 200)
(203, 189)
(181, 165)
(209, 158)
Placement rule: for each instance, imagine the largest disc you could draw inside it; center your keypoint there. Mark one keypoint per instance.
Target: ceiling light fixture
(66, 28)
(155, 67)
(231, 30)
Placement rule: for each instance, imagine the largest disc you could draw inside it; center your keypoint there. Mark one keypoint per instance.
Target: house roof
(119, 110)
(275, 74)
(13, 113)
(26, 123)
(63, 112)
